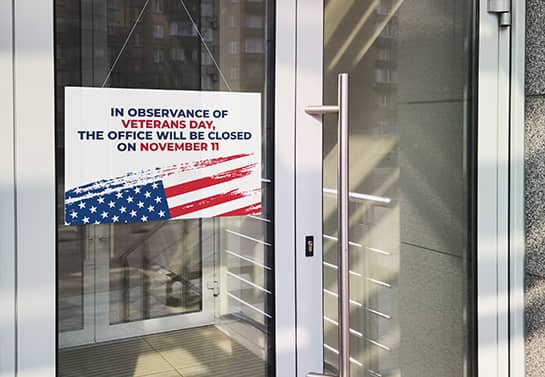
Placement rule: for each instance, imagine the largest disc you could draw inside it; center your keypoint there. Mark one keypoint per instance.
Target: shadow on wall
(535, 189)
(535, 209)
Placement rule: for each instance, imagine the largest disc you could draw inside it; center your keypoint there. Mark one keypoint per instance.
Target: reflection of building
(242, 41)
(164, 49)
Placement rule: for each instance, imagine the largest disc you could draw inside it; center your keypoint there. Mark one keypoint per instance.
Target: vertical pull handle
(342, 221)
(342, 209)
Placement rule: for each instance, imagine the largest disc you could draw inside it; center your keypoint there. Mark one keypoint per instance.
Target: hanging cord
(125, 43)
(196, 28)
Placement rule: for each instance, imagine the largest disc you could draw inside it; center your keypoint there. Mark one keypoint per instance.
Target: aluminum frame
(7, 197)
(308, 187)
(517, 355)
(35, 182)
(493, 196)
(284, 189)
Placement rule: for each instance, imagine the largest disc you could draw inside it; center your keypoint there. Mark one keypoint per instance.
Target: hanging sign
(138, 155)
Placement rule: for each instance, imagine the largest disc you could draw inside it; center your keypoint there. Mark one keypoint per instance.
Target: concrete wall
(535, 188)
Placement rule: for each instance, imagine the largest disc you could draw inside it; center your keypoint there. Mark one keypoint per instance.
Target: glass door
(410, 119)
(181, 297)
(410, 187)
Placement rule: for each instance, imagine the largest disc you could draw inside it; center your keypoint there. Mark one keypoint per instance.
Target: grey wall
(535, 188)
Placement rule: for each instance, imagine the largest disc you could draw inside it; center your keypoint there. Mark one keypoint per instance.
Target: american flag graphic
(206, 188)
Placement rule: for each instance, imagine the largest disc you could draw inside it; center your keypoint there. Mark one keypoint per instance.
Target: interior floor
(203, 351)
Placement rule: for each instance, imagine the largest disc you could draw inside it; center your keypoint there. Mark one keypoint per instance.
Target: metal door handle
(342, 221)
(322, 109)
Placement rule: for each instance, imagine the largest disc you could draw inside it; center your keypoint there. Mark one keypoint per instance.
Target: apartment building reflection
(167, 44)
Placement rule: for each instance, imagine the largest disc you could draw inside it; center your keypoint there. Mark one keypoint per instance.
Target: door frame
(7, 199)
(499, 194)
(517, 251)
(308, 188)
(35, 188)
(86, 334)
(96, 273)
(104, 331)
(284, 189)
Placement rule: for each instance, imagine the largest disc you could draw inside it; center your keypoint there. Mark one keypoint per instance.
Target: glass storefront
(221, 296)
(184, 297)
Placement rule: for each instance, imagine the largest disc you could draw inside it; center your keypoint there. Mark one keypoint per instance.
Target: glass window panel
(191, 297)
(410, 140)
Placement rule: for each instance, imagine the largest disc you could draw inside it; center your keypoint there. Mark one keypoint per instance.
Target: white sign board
(137, 155)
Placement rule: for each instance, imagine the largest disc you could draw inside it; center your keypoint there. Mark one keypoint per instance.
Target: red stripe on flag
(204, 203)
(212, 180)
(252, 209)
(201, 164)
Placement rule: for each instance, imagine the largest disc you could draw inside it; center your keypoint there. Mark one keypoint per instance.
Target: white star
(129, 199)
(93, 209)
(154, 185)
(111, 204)
(86, 220)
(133, 213)
(161, 213)
(144, 218)
(104, 214)
(115, 219)
(78, 190)
(122, 209)
(140, 205)
(158, 199)
(81, 205)
(100, 200)
(137, 190)
(74, 214)
(147, 194)
(119, 195)
(66, 223)
(96, 222)
(151, 208)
